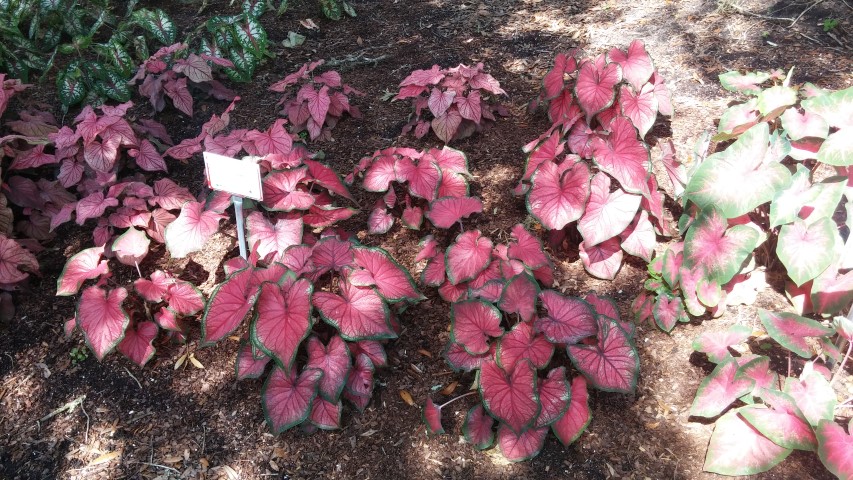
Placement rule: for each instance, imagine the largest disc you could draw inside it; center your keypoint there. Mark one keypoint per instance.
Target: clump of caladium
(781, 181)
(356, 290)
(172, 70)
(767, 414)
(321, 100)
(600, 109)
(240, 38)
(498, 329)
(431, 183)
(455, 102)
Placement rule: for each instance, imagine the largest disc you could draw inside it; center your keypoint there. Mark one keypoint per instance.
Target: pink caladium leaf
(527, 248)
(547, 151)
(511, 397)
(519, 296)
(639, 239)
(332, 254)
(359, 313)
(720, 250)
(392, 281)
(137, 342)
(623, 155)
(472, 322)
(602, 260)
(446, 125)
(318, 103)
(835, 448)
(716, 344)
(148, 158)
(453, 293)
(282, 320)
(568, 319)
(517, 447)
(321, 217)
(155, 289)
(791, 330)
(184, 298)
(193, 227)
(452, 185)
(380, 219)
(719, 389)
(607, 213)
(273, 238)
(380, 174)
(469, 255)
(478, 428)
(668, 311)
(180, 95)
(640, 106)
(428, 250)
(523, 343)
(282, 192)
(807, 249)
(554, 82)
(736, 448)
(432, 418)
(460, 360)
(814, 396)
(33, 158)
(101, 156)
(758, 369)
(325, 414)
(412, 216)
(559, 193)
(444, 212)
(228, 305)
(636, 64)
(84, 265)
(334, 361)
(16, 262)
(595, 85)
(373, 349)
(423, 178)
(782, 428)
(602, 305)
(570, 426)
(470, 107)
(131, 247)
(327, 178)
(439, 101)
(433, 274)
(276, 140)
(360, 379)
(248, 365)
(554, 394)
(103, 320)
(612, 364)
(287, 397)
(93, 206)
(170, 195)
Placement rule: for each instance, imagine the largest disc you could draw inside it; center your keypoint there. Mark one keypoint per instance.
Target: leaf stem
(457, 398)
(843, 363)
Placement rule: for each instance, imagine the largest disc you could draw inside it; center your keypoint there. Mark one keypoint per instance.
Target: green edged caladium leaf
(716, 344)
(85, 265)
(835, 448)
(103, 320)
(788, 203)
(519, 296)
(527, 248)
(791, 330)
(782, 428)
(800, 125)
(359, 313)
(719, 389)
(472, 322)
(228, 305)
(522, 343)
(333, 360)
(814, 396)
(248, 365)
(136, 344)
(736, 448)
(326, 415)
(391, 280)
(432, 418)
(460, 360)
(773, 98)
(603, 260)
(554, 395)
(757, 369)
(668, 311)
(636, 63)
(559, 193)
(807, 250)
(282, 320)
(607, 213)
(469, 255)
(131, 247)
(748, 83)
(612, 364)
(477, 428)
(510, 396)
(737, 180)
(193, 227)
(568, 319)
(721, 251)
(570, 426)
(623, 155)
(594, 88)
(835, 108)
(517, 447)
(287, 397)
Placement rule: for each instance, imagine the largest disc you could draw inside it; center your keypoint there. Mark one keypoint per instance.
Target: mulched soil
(192, 422)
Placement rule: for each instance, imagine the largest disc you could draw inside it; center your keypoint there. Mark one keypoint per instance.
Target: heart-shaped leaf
(131, 247)
(460, 360)
(668, 311)
(570, 426)
(432, 418)
(569, 319)
(814, 396)
(270, 237)
(333, 360)
(103, 320)
(282, 320)
(439, 101)
(469, 255)
(84, 265)
(791, 330)
(360, 380)
(527, 248)
(736, 448)
(612, 364)
(807, 250)
(184, 298)
(228, 305)
(282, 190)
(519, 296)
(359, 313)
(720, 250)
(716, 344)
(602, 260)
(594, 88)
(136, 344)
(517, 447)
(640, 106)
(719, 389)
(327, 178)
(326, 415)
(189, 232)
(623, 155)
(380, 219)
(248, 365)
(510, 396)
(372, 349)
(608, 213)
(155, 289)
(783, 429)
(446, 211)
(287, 397)
(554, 395)
(522, 343)
(422, 177)
(392, 281)
(380, 174)
(478, 428)
(835, 448)
(547, 151)
(636, 64)
(472, 322)
(446, 125)
(333, 254)
(559, 193)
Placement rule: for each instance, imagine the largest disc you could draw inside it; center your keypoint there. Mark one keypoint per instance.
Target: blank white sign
(237, 177)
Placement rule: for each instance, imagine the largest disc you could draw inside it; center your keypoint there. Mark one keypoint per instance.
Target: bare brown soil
(191, 422)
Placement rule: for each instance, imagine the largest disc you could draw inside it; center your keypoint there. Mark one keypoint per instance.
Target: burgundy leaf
(460, 360)
(373, 349)
(360, 379)
(276, 140)
(93, 206)
(326, 177)
(527, 248)
(423, 178)
(282, 192)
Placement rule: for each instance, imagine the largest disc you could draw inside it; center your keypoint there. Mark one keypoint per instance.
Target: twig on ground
(350, 62)
(131, 376)
(740, 10)
(848, 5)
(157, 465)
(86, 433)
(812, 39)
(816, 3)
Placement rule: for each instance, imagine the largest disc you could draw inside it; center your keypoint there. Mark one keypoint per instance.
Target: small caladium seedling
(497, 329)
(454, 102)
(319, 102)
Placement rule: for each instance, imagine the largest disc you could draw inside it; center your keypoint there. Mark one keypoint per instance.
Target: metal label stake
(241, 233)
(240, 178)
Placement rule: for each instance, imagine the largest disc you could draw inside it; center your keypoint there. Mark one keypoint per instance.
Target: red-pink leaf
(101, 155)
(373, 349)
(424, 77)
(333, 254)
(477, 428)
(439, 101)
(380, 219)
(640, 107)
(602, 260)
(32, 158)
(392, 281)
(412, 217)
(446, 211)
(287, 398)
(469, 255)
(737, 448)
(273, 238)
(131, 247)
(326, 415)
(282, 320)
(326, 177)
(527, 248)
(814, 395)
(472, 322)
(184, 298)
(491, 291)
(189, 232)
(595, 85)
(282, 191)
(510, 396)
(559, 193)
(180, 95)
(636, 64)
(607, 213)
(228, 305)
(668, 311)
(835, 449)
(333, 360)
(519, 296)
(148, 158)
(434, 272)
(517, 447)
(432, 418)
(460, 360)
(248, 365)
(569, 319)
(446, 125)
(170, 195)
(155, 289)
(101, 317)
(570, 426)
(719, 389)
(522, 343)
(782, 428)
(85, 265)
(554, 79)
(716, 344)
(423, 178)
(276, 140)
(318, 103)
(359, 313)
(470, 107)
(554, 395)
(137, 342)
(380, 174)
(623, 155)
(453, 293)
(547, 151)
(325, 216)
(791, 330)
(612, 364)
(720, 250)
(360, 379)
(93, 206)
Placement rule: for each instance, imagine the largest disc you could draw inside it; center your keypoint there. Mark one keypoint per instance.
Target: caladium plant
(453, 102)
(241, 38)
(430, 183)
(498, 330)
(766, 414)
(319, 102)
(600, 110)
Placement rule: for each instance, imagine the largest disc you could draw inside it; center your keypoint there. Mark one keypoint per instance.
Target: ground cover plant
(240, 38)
(601, 109)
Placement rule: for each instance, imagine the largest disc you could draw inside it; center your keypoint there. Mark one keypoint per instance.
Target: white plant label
(237, 177)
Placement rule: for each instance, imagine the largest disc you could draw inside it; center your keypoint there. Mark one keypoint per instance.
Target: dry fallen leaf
(204, 463)
(181, 360)
(450, 388)
(232, 474)
(103, 458)
(407, 397)
(195, 362)
(425, 352)
(309, 24)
